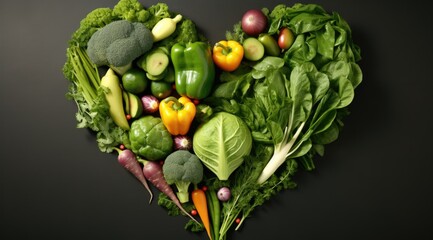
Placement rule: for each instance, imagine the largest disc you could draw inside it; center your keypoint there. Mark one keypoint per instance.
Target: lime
(160, 89)
(134, 81)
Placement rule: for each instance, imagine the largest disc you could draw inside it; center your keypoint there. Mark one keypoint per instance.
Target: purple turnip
(153, 173)
(129, 161)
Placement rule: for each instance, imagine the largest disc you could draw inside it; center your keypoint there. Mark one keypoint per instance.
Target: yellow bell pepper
(227, 55)
(177, 114)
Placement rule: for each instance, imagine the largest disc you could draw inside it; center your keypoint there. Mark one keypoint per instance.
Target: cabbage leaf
(222, 143)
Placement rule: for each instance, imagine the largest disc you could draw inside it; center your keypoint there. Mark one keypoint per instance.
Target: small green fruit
(134, 81)
(253, 49)
(160, 89)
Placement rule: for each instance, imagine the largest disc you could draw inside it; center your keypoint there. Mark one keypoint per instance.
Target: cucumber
(135, 106)
(157, 77)
(157, 62)
(253, 49)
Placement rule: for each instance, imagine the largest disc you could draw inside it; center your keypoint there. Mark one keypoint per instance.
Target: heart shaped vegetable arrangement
(220, 129)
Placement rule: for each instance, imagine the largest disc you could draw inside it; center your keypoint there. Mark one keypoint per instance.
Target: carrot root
(198, 197)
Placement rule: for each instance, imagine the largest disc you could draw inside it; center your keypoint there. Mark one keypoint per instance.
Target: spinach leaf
(327, 136)
(301, 96)
(325, 41)
(234, 84)
(303, 49)
(345, 91)
(319, 82)
(308, 22)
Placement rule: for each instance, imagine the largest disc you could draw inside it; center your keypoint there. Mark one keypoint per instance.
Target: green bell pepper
(193, 68)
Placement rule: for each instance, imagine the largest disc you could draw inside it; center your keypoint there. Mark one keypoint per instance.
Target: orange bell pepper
(227, 55)
(177, 114)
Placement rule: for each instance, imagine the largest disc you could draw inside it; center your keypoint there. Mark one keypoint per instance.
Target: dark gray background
(375, 182)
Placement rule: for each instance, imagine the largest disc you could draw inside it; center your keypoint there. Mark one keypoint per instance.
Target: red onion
(182, 142)
(254, 22)
(150, 103)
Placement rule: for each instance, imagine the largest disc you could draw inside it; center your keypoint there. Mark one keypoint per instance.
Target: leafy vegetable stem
(244, 216)
(82, 76)
(227, 219)
(81, 111)
(282, 179)
(280, 154)
(240, 223)
(91, 69)
(85, 94)
(118, 150)
(230, 217)
(79, 76)
(294, 139)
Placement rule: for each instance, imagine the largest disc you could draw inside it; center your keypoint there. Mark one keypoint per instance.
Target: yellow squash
(114, 96)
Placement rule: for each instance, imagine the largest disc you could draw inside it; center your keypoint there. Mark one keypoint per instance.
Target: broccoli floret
(95, 20)
(118, 44)
(182, 168)
(237, 33)
(131, 10)
(186, 32)
(157, 12)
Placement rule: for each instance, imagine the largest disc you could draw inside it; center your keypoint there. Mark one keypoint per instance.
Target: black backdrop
(373, 183)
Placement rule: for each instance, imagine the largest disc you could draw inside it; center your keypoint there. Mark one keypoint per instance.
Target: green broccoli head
(117, 44)
(182, 168)
(131, 10)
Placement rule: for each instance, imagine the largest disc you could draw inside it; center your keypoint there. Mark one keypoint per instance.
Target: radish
(153, 173)
(128, 160)
(224, 194)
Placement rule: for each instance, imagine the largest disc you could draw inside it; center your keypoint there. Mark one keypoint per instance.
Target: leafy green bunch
(294, 104)
(313, 82)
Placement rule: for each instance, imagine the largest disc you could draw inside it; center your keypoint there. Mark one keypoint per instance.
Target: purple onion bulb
(224, 194)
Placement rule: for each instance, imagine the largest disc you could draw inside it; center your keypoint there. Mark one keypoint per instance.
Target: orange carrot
(198, 197)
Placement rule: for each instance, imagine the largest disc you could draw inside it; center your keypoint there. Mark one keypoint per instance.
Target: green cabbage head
(222, 143)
